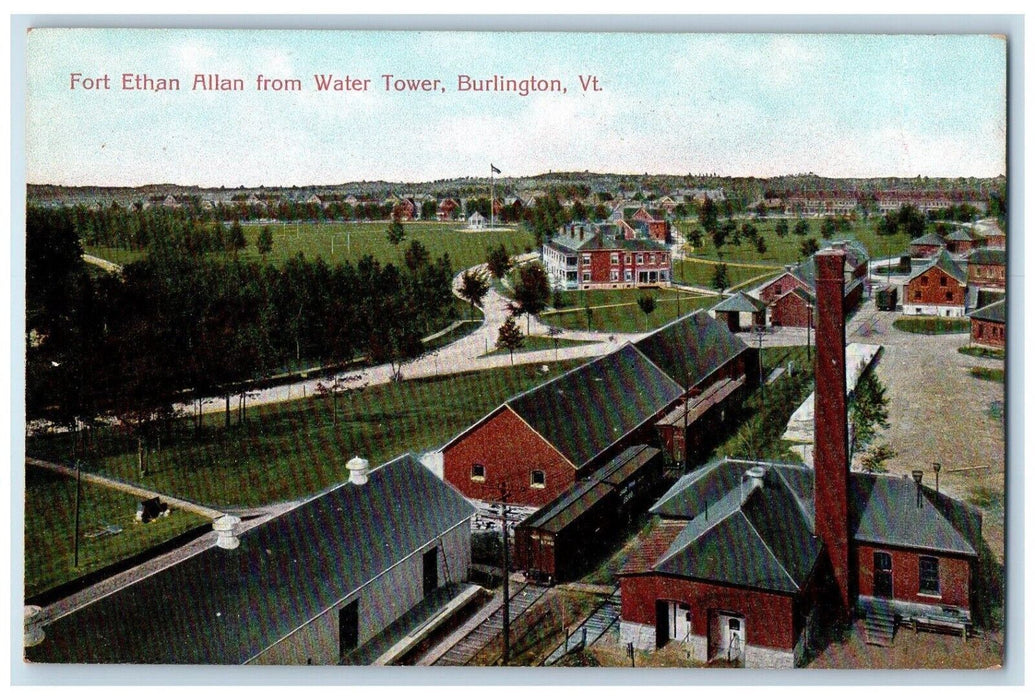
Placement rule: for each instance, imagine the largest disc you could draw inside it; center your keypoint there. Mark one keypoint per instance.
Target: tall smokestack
(831, 427)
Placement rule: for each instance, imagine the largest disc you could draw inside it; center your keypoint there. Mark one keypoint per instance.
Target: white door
(678, 622)
(731, 640)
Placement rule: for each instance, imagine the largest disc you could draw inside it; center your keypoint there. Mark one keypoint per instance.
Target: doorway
(678, 621)
(348, 628)
(732, 637)
(883, 582)
(430, 571)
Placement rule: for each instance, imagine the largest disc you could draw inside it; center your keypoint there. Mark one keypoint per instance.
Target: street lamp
(937, 470)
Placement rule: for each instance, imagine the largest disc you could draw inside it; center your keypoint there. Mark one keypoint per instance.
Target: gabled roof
(740, 303)
(993, 312)
(928, 239)
(946, 264)
(959, 234)
(691, 348)
(987, 256)
(226, 606)
(586, 410)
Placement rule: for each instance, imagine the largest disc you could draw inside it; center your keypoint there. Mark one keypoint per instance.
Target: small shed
(740, 310)
(476, 221)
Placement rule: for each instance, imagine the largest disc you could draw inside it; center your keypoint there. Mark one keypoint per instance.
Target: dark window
(917, 295)
(929, 582)
(944, 281)
(478, 472)
(948, 296)
(430, 570)
(923, 280)
(538, 478)
(348, 628)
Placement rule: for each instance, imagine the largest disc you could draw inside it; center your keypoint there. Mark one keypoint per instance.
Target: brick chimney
(831, 411)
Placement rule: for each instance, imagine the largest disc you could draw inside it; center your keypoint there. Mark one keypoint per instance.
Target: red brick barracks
(542, 441)
(790, 297)
(749, 557)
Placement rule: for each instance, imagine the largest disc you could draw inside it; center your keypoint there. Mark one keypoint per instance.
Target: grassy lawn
(980, 351)
(616, 310)
(49, 528)
(294, 449)
(786, 249)
(932, 325)
(352, 241)
(762, 420)
(541, 342)
(701, 274)
(989, 374)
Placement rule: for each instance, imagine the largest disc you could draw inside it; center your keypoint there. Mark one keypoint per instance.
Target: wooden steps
(879, 624)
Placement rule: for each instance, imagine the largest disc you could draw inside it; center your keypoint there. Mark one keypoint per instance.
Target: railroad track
(592, 628)
(461, 653)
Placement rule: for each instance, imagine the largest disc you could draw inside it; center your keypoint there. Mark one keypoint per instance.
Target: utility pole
(761, 379)
(75, 556)
(808, 337)
(504, 495)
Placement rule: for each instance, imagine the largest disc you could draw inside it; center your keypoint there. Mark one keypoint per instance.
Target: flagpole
(492, 196)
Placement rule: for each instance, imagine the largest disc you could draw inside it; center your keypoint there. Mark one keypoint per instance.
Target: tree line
(176, 326)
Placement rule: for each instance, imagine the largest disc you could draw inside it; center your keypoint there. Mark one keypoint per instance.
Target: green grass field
(293, 449)
(50, 525)
(786, 250)
(616, 310)
(932, 325)
(337, 242)
(540, 342)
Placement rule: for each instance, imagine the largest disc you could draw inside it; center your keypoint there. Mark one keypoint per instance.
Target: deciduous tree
(510, 337)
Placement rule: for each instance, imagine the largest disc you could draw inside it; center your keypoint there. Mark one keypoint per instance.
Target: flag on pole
(494, 168)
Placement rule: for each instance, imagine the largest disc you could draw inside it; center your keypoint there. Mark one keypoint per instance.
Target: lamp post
(918, 477)
(760, 331)
(937, 470)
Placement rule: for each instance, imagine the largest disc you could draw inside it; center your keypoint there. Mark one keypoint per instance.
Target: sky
(731, 104)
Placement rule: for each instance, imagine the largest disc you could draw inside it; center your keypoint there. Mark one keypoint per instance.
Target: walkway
(132, 489)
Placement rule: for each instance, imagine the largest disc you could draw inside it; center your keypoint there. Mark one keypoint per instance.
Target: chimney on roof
(359, 469)
(918, 477)
(226, 535)
(754, 478)
(582, 233)
(831, 418)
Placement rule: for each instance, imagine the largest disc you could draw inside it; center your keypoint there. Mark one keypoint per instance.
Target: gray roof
(992, 312)
(883, 511)
(579, 498)
(595, 240)
(761, 538)
(959, 234)
(225, 606)
(765, 537)
(740, 303)
(987, 256)
(588, 409)
(691, 348)
(928, 239)
(944, 262)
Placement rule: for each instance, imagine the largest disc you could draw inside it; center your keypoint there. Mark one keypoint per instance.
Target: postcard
(515, 348)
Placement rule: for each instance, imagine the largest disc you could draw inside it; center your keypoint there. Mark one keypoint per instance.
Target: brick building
(937, 289)
(748, 557)
(926, 245)
(542, 441)
(988, 325)
(959, 242)
(986, 268)
(787, 309)
(583, 256)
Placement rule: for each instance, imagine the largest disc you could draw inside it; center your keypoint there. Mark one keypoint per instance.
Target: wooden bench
(945, 623)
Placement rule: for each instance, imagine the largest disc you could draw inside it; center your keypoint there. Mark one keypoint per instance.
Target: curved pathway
(465, 354)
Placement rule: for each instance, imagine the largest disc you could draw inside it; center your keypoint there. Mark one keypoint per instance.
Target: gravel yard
(938, 412)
